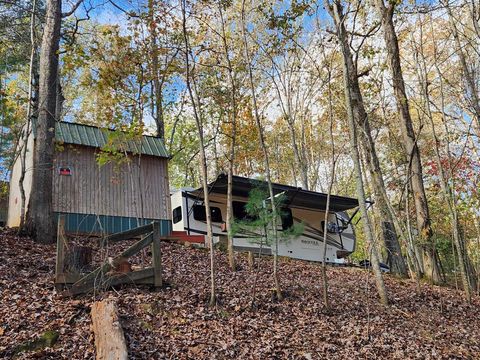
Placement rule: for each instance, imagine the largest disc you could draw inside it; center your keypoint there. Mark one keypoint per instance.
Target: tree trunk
(109, 339)
(233, 136)
(429, 253)
(395, 258)
(447, 184)
(302, 166)
(40, 217)
(231, 254)
(475, 15)
(157, 108)
(470, 84)
(353, 101)
(60, 99)
(389, 235)
(327, 207)
(286, 107)
(477, 263)
(31, 109)
(193, 93)
(261, 137)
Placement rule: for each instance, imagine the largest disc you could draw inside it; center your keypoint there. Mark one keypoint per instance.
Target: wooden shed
(107, 198)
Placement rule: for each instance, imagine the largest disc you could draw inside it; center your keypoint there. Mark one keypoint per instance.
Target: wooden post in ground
(60, 261)
(251, 260)
(109, 339)
(157, 256)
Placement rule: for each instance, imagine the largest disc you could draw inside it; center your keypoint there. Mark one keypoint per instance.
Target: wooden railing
(102, 276)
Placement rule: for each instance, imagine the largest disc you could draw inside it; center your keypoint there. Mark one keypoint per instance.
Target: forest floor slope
(175, 323)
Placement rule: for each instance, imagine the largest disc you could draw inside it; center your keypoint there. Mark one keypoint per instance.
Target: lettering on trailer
(310, 242)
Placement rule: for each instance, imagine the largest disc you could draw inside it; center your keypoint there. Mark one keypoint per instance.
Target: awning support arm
(370, 203)
(351, 217)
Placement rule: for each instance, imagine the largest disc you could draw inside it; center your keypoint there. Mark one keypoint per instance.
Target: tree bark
(31, 110)
(233, 136)
(447, 183)
(326, 301)
(157, 108)
(109, 338)
(395, 258)
(283, 85)
(40, 218)
(352, 101)
(60, 99)
(261, 137)
(193, 93)
(470, 83)
(477, 263)
(431, 267)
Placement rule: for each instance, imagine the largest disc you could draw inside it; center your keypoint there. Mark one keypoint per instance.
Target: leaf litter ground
(176, 323)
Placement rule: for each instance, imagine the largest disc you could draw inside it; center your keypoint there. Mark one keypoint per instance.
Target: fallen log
(109, 339)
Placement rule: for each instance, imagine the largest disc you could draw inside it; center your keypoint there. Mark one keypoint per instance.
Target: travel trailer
(300, 206)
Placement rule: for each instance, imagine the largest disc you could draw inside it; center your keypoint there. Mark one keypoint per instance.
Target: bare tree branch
(73, 9)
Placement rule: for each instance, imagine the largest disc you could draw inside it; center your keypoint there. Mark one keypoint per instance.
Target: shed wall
(137, 188)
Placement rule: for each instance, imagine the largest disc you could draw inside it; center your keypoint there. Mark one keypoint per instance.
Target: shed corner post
(157, 256)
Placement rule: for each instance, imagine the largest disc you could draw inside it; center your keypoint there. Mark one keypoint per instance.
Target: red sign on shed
(65, 171)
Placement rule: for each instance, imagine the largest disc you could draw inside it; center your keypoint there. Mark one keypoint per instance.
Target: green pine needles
(257, 218)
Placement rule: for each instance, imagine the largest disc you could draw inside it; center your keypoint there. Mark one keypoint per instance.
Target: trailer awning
(296, 197)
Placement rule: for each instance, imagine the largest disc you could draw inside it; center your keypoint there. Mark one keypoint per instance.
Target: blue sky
(104, 11)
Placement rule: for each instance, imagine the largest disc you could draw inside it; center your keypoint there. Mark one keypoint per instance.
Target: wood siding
(136, 188)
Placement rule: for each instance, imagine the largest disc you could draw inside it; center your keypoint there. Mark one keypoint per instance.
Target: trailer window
(240, 212)
(177, 214)
(200, 214)
(287, 218)
(216, 214)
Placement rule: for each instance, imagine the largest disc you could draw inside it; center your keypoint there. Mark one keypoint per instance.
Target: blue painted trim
(104, 224)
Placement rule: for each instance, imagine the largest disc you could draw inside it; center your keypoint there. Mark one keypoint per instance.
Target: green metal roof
(79, 134)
